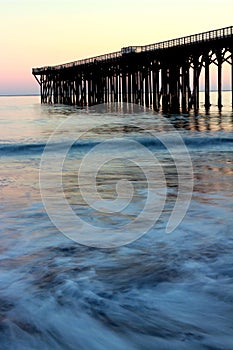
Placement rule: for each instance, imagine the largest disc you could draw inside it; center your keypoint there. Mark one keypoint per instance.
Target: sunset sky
(35, 33)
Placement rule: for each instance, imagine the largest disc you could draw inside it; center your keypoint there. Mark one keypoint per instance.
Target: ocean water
(154, 291)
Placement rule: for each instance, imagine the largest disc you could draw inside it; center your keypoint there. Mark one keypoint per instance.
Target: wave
(198, 143)
(12, 149)
(190, 142)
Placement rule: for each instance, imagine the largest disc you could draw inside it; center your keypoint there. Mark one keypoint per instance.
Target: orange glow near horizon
(40, 33)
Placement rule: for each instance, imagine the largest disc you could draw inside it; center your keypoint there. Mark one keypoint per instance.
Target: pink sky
(35, 33)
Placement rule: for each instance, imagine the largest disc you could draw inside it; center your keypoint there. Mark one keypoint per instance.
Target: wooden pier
(163, 75)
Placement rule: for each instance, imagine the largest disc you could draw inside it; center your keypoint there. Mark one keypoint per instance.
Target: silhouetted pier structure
(165, 74)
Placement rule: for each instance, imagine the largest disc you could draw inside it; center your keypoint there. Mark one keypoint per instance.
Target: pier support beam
(207, 82)
(146, 80)
(196, 74)
(174, 76)
(164, 89)
(155, 77)
(219, 60)
(185, 87)
(232, 77)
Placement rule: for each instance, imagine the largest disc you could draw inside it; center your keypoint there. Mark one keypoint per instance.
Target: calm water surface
(164, 291)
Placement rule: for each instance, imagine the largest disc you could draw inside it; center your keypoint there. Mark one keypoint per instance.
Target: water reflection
(213, 173)
(200, 121)
(203, 122)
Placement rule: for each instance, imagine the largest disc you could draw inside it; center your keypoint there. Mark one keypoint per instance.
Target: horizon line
(38, 94)
(12, 95)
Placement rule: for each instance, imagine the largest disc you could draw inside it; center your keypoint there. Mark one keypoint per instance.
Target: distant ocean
(162, 291)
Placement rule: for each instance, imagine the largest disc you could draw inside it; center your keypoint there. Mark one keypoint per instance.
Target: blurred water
(164, 291)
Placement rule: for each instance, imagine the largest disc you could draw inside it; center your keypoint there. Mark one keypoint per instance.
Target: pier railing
(191, 39)
(183, 41)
